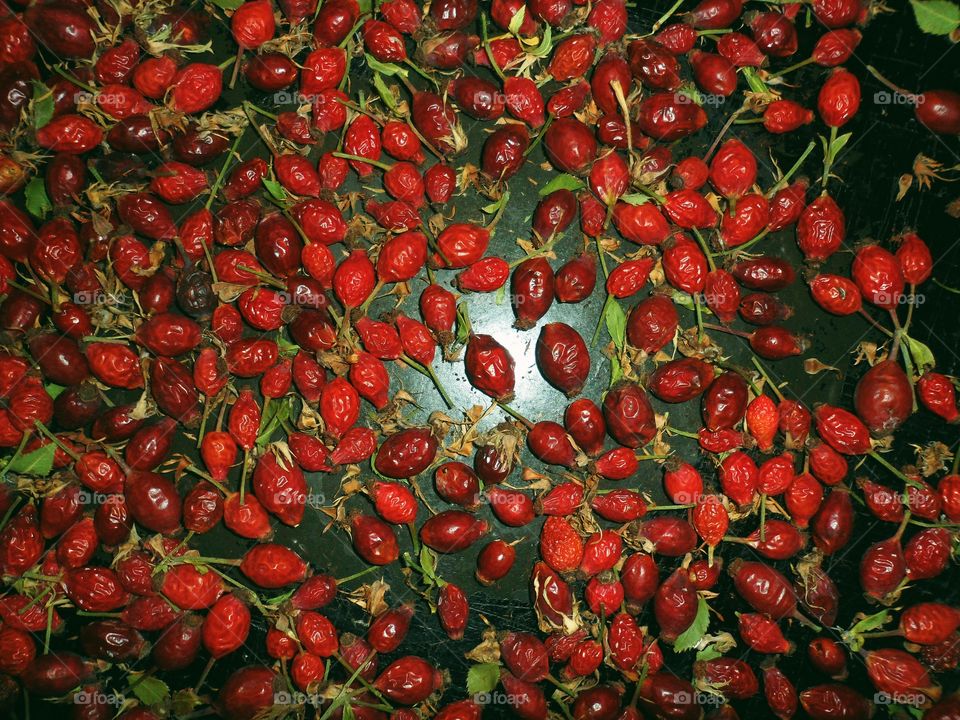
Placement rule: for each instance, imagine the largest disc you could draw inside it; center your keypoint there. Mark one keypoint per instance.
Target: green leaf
(150, 691)
(616, 322)
(43, 105)
(497, 205)
(482, 678)
(278, 599)
(384, 68)
(837, 145)
(754, 81)
(683, 299)
(276, 190)
(616, 370)
(635, 198)
(428, 563)
(53, 390)
(463, 324)
(517, 20)
(184, 702)
(922, 355)
(871, 622)
(562, 182)
(38, 462)
(388, 99)
(545, 46)
(936, 17)
(277, 413)
(227, 4)
(286, 347)
(692, 635)
(38, 204)
(710, 652)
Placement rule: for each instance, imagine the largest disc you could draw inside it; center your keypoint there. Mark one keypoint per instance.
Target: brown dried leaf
(371, 597)
(488, 651)
(903, 186)
(813, 366)
(932, 458)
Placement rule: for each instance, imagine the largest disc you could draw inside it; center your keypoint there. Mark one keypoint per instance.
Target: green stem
(359, 158)
(883, 461)
(603, 314)
(682, 433)
(218, 181)
(348, 578)
(666, 16)
(487, 49)
(428, 371)
(421, 72)
(699, 309)
(770, 383)
(705, 248)
(763, 517)
(16, 454)
(539, 137)
(79, 83)
(68, 450)
(510, 411)
(782, 182)
(828, 159)
(791, 68)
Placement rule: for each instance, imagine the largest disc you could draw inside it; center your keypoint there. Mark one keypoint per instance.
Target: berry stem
(243, 475)
(782, 182)
(727, 330)
(790, 68)
(429, 372)
(361, 573)
(899, 90)
(666, 16)
(539, 137)
(359, 158)
(883, 461)
(682, 433)
(510, 411)
(603, 314)
(218, 181)
(488, 50)
(875, 324)
(711, 263)
(59, 443)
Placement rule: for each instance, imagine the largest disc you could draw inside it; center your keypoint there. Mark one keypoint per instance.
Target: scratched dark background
(886, 139)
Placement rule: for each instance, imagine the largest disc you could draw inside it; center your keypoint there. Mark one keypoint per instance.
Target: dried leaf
(813, 366)
(488, 651)
(371, 597)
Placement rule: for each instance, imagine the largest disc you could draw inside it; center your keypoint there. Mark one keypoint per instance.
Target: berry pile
(239, 305)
